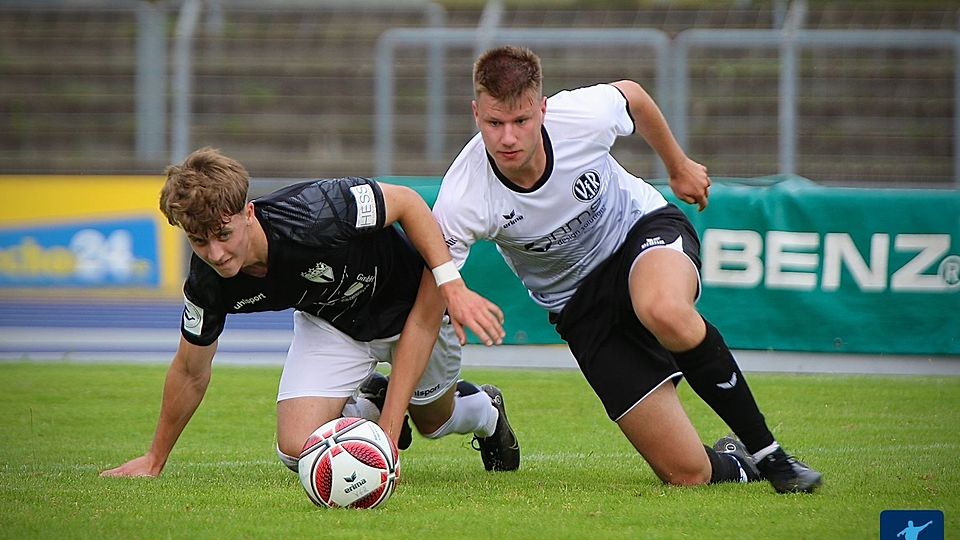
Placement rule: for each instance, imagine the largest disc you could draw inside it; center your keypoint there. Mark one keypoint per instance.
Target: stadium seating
(289, 90)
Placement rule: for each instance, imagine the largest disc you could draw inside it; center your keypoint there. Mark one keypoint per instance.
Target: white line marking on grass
(535, 457)
(884, 448)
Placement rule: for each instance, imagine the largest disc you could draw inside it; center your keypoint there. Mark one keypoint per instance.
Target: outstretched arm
(466, 307)
(412, 354)
(183, 390)
(688, 179)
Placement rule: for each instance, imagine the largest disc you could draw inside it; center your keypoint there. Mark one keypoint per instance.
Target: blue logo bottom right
(911, 525)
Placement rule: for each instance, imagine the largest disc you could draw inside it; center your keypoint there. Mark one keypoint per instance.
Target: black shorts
(619, 357)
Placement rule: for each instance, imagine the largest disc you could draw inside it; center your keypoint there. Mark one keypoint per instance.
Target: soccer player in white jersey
(363, 292)
(613, 263)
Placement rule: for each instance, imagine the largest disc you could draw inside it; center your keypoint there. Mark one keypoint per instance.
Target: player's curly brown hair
(507, 73)
(201, 194)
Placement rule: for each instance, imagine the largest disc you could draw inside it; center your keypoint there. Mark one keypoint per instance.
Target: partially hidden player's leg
(659, 429)
(297, 418)
(452, 413)
(369, 403)
(442, 404)
(663, 288)
(481, 411)
(434, 405)
(429, 418)
(322, 372)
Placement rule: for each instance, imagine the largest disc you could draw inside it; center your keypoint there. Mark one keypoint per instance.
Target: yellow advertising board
(77, 233)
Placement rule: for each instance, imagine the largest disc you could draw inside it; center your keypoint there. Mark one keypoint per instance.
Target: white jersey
(573, 219)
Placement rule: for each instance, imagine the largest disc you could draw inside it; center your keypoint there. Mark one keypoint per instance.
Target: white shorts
(325, 362)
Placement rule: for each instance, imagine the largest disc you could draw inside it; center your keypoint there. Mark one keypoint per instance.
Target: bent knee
(675, 324)
(289, 450)
(429, 427)
(291, 443)
(435, 434)
(663, 314)
(693, 475)
(290, 461)
(430, 418)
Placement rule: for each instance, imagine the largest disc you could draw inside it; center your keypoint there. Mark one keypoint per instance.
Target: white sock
(471, 414)
(766, 451)
(289, 461)
(361, 407)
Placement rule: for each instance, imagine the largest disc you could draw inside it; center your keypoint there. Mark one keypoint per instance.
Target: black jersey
(329, 255)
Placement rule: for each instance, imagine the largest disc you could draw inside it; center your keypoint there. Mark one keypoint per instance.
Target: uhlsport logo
(248, 301)
(427, 392)
(911, 525)
(587, 186)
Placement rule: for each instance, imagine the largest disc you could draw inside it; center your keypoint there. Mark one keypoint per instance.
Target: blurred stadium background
(302, 89)
(289, 84)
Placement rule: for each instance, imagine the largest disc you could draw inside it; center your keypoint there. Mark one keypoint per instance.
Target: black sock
(723, 468)
(466, 388)
(712, 372)
(775, 464)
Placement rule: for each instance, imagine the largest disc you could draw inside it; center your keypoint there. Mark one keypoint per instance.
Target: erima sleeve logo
(366, 206)
(192, 317)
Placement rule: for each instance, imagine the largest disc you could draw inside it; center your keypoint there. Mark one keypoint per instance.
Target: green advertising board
(793, 266)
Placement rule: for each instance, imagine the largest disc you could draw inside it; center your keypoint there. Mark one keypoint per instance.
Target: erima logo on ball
(354, 486)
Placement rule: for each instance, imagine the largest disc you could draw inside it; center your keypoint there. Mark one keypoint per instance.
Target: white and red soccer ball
(349, 463)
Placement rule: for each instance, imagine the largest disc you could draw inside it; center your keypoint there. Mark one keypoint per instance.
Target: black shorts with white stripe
(620, 358)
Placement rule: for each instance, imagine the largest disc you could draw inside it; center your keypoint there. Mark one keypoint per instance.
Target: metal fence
(672, 84)
(300, 89)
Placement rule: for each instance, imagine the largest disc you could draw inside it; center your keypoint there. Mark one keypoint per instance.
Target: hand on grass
(142, 466)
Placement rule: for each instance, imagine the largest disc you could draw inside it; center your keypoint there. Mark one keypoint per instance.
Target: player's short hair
(204, 192)
(507, 73)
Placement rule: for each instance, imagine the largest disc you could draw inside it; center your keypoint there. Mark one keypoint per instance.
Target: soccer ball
(349, 463)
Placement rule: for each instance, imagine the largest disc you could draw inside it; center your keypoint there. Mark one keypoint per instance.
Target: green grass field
(881, 442)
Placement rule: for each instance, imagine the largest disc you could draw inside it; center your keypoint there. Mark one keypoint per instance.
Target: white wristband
(445, 273)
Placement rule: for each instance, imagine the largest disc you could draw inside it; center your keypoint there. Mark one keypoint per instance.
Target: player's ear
(476, 113)
(248, 212)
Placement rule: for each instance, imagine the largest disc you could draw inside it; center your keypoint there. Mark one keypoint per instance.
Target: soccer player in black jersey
(362, 290)
(614, 264)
